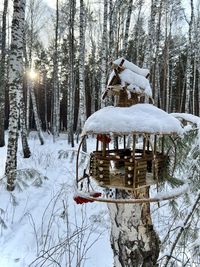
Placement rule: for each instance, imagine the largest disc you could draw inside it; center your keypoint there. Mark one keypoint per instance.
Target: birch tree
(104, 50)
(31, 83)
(188, 71)
(15, 85)
(198, 52)
(71, 92)
(151, 34)
(56, 91)
(133, 239)
(82, 100)
(82, 112)
(3, 74)
(128, 20)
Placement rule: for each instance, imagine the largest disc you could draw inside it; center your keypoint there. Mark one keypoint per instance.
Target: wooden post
(144, 145)
(116, 145)
(155, 143)
(104, 145)
(97, 144)
(124, 142)
(163, 144)
(134, 141)
(148, 144)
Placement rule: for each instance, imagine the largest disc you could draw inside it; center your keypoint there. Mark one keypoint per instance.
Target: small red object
(95, 194)
(82, 200)
(102, 137)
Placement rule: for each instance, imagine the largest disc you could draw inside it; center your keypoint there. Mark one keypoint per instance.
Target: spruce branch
(181, 230)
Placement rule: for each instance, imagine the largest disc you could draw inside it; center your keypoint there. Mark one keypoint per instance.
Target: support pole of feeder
(77, 158)
(163, 144)
(104, 145)
(144, 145)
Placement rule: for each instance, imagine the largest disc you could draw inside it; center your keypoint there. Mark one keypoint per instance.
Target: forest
(55, 64)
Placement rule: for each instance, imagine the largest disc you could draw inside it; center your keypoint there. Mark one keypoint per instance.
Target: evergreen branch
(182, 230)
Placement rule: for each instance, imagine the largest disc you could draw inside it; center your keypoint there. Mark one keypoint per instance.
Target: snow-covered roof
(129, 65)
(139, 118)
(133, 76)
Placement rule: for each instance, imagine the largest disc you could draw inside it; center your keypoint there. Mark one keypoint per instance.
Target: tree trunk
(3, 74)
(56, 93)
(82, 101)
(188, 71)
(15, 83)
(133, 239)
(36, 116)
(104, 50)
(25, 146)
(151, 35)
(71, 92)
(126, 34)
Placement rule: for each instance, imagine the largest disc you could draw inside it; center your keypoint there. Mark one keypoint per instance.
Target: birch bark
(35, 111)
(3, 74)
(15, 85)
(188, 71)
(71, 92)
(82, 100)
(133, 240)
(128, 20)
(56, 91)
(104, 50)
(151, 35)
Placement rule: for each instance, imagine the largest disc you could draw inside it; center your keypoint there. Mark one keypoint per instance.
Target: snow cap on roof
(129, 65)
(133, 76)
(139, 118)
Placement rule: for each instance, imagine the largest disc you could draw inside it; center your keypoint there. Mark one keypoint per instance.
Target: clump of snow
(133, 78)
(129, 65)
(140, 118)
(188, 117)
(173, 192)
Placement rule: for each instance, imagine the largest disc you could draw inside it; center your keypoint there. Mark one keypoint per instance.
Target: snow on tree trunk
(15, 85)
(36, 115)
(2, 74)
(56, 93)
(104, 50)
(133, 240)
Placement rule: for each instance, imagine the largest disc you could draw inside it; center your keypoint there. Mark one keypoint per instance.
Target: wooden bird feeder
(130, 149)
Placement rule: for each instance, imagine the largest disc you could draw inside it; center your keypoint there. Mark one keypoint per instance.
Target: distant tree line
(72, 71)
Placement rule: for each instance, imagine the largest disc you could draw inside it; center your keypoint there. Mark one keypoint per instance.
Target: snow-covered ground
(40, 224)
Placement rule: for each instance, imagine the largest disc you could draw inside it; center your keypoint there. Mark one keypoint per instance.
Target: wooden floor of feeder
(118, 182)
